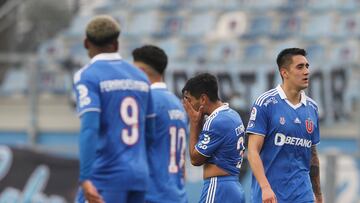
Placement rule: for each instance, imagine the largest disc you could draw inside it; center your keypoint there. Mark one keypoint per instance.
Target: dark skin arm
(196, 118)
(315, 174)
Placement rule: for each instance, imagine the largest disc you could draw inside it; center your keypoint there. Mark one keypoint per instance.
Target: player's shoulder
(86, 71)
(216, 120)
(267, 98)
(136, 72)
(163, 95)
(312, 103)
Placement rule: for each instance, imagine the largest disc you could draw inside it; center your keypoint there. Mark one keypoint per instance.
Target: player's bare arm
(195, 118)
(91, 193)
(315, 174)
(254, 147)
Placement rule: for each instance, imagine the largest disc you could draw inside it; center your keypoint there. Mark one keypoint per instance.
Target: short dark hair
(204, 83)
(102, 30)
(284, 58)
(153, 56)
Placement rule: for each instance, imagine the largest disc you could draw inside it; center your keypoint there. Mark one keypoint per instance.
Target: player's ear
(116, 45)
(203, 99)
(86, 43)
(284, 72)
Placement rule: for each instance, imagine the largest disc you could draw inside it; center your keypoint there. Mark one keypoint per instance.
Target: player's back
(123, 100)
(166, 149)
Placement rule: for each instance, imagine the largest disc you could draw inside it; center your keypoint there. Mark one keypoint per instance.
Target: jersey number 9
(129, 113)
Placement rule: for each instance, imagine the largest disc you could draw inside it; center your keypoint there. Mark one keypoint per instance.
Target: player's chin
(304, 85)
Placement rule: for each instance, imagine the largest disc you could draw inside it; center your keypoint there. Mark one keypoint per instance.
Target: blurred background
(238, 40)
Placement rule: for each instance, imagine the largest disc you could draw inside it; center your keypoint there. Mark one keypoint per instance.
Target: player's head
(102, 34)
(294, 67)
(201, 89)
(152, 60)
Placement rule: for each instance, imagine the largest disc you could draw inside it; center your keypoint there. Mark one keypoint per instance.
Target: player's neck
(155, 79)
(292, 94)
(213, 106)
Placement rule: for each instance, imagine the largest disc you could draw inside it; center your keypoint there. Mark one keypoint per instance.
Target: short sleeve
(258, 121)
(315, 139)
(87, 95)
(208, 143)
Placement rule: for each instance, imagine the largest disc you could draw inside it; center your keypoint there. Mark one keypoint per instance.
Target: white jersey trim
(284, 97)
(209, 119)
(265, 95)
(88, 110)
(315, 144)
(311, 100)
(158, 85)
(102, 56)
(106, 56)
(250, 132)
(201, 153)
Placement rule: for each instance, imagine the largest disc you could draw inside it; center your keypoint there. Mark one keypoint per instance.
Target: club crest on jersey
(282, 120)
(309, 126)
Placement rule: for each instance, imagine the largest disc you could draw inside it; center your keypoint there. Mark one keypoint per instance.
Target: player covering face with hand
(216, 140)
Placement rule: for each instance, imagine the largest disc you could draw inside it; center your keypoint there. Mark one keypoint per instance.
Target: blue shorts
(115, 197)
(224, 189)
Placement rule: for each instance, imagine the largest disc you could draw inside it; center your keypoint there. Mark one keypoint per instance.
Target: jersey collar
(158, 85)
(283, 96)
(225, 106)
(106, 56)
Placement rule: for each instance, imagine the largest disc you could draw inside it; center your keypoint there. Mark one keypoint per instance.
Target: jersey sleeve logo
(240, 130)
(251, 124)
(84, 99)
(253, 114)
(203, 143)
(271, 100)
(309, 126)
(206, 139)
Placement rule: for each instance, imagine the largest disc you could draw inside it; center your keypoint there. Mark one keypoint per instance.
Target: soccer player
(166, 149)
(216, 142)
(283, 132)
(113, 102)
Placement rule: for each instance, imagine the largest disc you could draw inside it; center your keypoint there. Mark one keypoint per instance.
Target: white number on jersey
(129, 113)
(240, 146)
(177, 140)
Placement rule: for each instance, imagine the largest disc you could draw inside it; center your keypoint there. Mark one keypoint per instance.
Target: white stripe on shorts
(209, 190)
(210, 197)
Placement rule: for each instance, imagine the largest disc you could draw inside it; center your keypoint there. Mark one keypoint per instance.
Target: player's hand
(268, 195)
(90, 192)
(195, 117)
(318, 198)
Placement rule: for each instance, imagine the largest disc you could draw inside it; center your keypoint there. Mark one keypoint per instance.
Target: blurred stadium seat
(15, 82)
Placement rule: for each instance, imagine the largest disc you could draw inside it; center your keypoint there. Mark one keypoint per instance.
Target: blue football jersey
(222, 139)
(289, 132)
(121, 93)
(166, 148)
